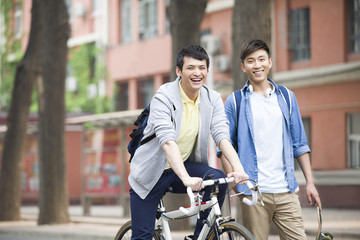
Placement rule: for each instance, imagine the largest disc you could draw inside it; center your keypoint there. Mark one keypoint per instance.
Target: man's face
(257, 66)
(193, 76)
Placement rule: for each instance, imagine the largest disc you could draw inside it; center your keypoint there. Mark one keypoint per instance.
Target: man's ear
(243, 68)
(178, 71)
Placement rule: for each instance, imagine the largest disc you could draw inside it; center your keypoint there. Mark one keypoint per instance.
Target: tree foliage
(10, 54)
(88, 69)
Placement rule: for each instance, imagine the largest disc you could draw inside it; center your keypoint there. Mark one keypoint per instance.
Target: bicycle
(216, 226)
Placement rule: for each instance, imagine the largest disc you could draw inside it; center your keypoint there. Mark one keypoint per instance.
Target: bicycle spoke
(231, 231)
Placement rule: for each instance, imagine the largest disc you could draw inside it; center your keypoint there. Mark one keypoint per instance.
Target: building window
(70, 81)
(353, 123)
(69, 8)
(145, 91)
(300, 34)
(96, 7)
(147, 19)
(18, 20)
(354, 26)
(122, 103)
(126, 21)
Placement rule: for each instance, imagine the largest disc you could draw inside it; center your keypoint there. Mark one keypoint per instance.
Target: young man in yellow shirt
(183, 114)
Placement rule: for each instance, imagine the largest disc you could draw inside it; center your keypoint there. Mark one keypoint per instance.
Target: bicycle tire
(231, 230)
(125, 232)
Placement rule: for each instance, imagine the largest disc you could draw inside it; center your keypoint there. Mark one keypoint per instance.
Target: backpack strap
(237, 102)
(286, 95)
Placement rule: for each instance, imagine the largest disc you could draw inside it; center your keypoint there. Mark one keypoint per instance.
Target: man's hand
(239, 176)
(311, 192)
(194, 182)
(313, 195)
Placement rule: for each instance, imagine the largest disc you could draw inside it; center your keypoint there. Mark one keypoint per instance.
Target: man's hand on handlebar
(240, 177)
(194, 182)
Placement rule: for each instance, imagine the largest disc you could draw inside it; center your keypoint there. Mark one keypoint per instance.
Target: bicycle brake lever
(193, 200)
(257, 188)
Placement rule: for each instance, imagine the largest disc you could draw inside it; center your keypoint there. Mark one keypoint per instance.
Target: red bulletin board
(30, 166)
(30, 174)
(102, 161)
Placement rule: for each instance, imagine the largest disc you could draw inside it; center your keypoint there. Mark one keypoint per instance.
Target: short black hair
(251, 46)
(194, 51)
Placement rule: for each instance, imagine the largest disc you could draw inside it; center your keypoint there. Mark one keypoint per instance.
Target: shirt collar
(185, 98)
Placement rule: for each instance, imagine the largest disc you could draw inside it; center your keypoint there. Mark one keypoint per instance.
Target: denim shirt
(294, 138)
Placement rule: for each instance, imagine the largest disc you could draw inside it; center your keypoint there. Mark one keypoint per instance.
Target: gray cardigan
(165, 116)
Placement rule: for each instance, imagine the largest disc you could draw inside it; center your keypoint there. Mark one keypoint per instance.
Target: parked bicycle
(216, 226)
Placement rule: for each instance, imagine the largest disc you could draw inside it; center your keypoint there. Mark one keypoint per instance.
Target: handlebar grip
(220, 180)
(253, 194)
(192, 208)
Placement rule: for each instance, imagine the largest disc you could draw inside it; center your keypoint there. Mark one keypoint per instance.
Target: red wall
(327, 107)
(327, 30)
(73, 151)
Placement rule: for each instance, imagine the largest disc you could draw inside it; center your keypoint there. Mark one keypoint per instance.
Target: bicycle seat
(169, 189)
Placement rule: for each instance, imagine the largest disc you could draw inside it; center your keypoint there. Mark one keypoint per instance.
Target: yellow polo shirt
(189, 125)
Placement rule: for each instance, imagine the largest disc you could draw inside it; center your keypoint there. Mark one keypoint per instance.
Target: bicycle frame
(163, 221)
(214, 216)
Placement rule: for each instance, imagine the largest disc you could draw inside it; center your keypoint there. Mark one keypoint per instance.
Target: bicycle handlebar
(253, 194)
(192, 208)
(193, 199)
(220, 181)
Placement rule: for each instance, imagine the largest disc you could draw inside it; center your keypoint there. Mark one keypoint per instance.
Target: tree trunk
(27, 72)
(251, 20)
(53, 199)
(185, 18)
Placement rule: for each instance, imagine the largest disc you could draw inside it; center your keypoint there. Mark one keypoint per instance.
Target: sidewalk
(105, 221)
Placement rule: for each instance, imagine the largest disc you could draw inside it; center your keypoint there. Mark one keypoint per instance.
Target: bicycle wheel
(124, 233)
(231, 230)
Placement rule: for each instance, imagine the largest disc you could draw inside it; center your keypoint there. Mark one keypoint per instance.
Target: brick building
(315, 50)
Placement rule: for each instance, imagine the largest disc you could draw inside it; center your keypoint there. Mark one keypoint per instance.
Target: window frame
(353, 140)
(122, 103)
(300, 39)
(126, 36)
(354, 26)
(145, 91)
(148, 19)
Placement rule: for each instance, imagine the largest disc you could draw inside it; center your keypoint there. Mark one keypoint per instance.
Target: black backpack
(138, 133)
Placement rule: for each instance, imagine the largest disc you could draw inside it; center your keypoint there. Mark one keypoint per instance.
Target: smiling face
(193, 76)
(257, 66)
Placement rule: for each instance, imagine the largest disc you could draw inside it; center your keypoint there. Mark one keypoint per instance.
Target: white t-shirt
(268, 134)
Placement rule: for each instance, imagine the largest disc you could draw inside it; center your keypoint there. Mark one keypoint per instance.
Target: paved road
(17, 237)
(106, 220)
